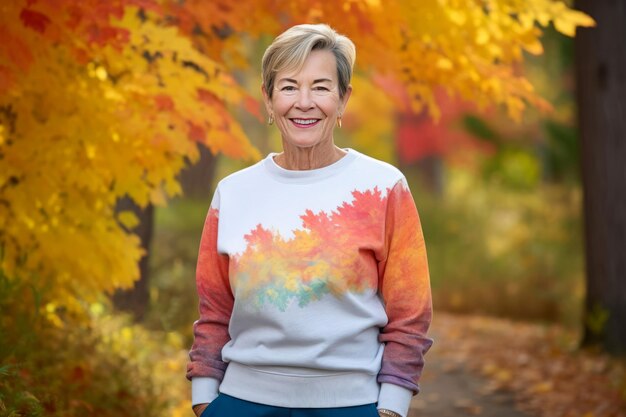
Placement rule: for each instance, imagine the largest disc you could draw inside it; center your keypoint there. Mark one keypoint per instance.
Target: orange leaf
(101, 36)
(196, 132)
(253, 107)
(164, 102)
(208, 97)
(15, 49)
(6, 78)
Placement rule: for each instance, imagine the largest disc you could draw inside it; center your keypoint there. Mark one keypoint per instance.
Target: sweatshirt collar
(309, 175)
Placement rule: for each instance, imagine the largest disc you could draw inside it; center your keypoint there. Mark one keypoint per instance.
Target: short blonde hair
(292, 47)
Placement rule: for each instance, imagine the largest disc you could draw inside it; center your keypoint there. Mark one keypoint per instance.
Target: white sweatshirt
(313, 287)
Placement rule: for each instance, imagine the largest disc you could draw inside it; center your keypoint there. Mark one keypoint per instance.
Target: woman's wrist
(199, 408)
(383, 412)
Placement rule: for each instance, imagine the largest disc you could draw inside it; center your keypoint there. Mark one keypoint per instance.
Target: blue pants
(227, 406)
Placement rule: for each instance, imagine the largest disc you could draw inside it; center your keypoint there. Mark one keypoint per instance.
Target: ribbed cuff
(395, 398)
(203, 390)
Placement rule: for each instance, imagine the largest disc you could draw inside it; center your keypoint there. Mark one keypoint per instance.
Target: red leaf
(418, 136)
(75, 16)
(78, 373)
(34, 20)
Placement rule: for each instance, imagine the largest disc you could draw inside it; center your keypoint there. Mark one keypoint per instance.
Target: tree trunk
(196, 180)
(137, 299)
(601, 90)
(429, 171)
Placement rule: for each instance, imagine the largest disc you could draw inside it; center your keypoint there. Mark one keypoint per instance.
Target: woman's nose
(305, 99)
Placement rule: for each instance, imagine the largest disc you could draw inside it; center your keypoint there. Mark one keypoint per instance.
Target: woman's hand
(199, 408)
(383, 412)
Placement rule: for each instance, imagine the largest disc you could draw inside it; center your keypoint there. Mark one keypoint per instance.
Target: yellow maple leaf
(128, 219)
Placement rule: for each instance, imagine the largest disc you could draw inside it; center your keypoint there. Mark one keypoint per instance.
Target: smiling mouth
(304, 123)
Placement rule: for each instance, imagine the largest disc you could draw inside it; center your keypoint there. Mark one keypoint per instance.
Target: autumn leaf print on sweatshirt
(333, 253)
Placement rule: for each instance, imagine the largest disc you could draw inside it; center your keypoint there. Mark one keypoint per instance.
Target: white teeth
(305, 122)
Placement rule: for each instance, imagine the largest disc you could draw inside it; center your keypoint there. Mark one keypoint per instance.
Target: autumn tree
(101, 100)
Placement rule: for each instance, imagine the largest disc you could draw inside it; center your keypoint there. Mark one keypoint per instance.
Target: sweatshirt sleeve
(404, 285)
(206, 367)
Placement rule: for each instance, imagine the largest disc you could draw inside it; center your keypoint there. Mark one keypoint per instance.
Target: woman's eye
(288, 88)
(321, 88)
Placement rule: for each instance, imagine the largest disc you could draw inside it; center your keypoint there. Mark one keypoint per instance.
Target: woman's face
(306, 104)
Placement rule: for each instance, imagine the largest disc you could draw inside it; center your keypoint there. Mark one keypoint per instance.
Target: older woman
(312, 273)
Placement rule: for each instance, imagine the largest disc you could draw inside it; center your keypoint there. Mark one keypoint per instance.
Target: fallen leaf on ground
(540, 364)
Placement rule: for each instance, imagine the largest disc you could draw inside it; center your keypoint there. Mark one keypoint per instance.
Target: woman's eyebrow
(319, 80)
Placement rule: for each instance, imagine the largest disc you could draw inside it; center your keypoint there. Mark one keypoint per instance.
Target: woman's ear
(345, 98)
(266, 99)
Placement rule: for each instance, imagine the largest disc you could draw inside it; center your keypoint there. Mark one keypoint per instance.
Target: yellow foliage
(373, 115)
(466, 46)
(128, 219)
(84, 122)
(75, 138)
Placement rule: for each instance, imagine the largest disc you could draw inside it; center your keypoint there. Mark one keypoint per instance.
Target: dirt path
(449, 389)
(456, 393)
(491, 367)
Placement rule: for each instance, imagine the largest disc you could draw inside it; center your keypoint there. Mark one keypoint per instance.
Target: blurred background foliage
(500, 204)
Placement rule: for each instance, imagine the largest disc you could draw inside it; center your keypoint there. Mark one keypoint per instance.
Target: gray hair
(292, 47)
